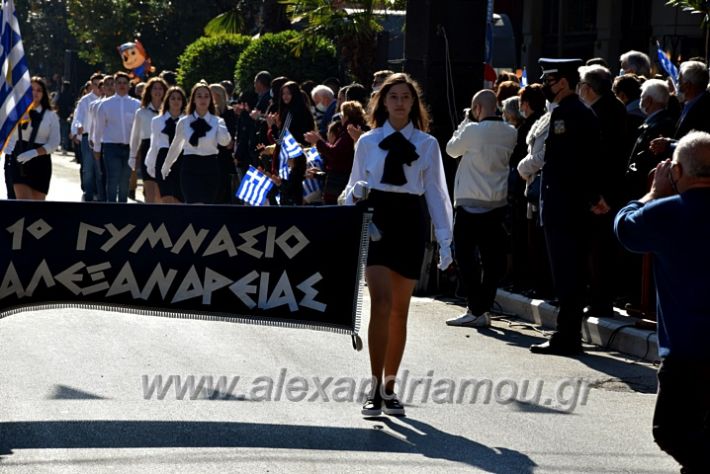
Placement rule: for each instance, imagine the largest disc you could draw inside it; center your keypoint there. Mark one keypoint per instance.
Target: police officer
(569, 195)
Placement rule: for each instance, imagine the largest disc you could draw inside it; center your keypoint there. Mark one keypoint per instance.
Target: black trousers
(567, 249)
(681, 422)
(9, 185)
(474, 235)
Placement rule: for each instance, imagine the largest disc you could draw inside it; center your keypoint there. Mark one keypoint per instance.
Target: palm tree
(249, 17)
(354, 31)
(697, 7)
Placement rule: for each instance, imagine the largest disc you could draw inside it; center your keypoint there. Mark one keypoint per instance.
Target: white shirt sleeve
(178, 143)
(437, 196)
(135, 140)
(155, 131)
(358, 172)
(223, 135)
(54, 139)
(535, 159)
(99, 124)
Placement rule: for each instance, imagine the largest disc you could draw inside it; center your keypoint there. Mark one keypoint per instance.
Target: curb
(616, 333)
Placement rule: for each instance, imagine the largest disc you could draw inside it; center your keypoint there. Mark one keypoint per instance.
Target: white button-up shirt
(207, 145)
(81, 114)
(114, 119)
(158, 139)
(47, 135)
(425, 176)
(141, 128)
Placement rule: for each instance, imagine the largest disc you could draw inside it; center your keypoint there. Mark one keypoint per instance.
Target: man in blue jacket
(672, 222)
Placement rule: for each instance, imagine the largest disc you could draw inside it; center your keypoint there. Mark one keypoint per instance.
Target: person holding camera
(671, 222)
(484, 142)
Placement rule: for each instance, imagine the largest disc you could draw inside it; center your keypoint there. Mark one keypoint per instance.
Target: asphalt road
(79, 393)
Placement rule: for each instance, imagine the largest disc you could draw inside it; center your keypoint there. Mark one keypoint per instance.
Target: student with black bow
(31, 145)
(198, 135)
(398, 170)
(162, 133)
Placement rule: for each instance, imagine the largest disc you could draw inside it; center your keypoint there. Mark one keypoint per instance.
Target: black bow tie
(35, 118)
(400, 152)
(169, 128)
(200, 128)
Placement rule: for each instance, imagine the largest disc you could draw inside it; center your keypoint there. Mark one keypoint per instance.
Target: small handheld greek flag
(667, 64)
(254, 187)
(289, 149)
(15, 87)
(312, 186)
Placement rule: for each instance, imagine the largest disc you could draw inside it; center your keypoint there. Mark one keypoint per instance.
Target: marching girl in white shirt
(162, 133)
(151, 101)
(198, 136)
(401, 167)
(31, 145)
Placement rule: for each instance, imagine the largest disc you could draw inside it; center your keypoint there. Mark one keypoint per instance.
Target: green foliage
(355, 33)
(165, 27)
(211, 58)
(274, 52)
(45, 35)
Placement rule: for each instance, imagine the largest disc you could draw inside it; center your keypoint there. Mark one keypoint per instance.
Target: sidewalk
(616, 333)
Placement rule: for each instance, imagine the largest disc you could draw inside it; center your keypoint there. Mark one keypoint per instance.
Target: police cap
(560, 67)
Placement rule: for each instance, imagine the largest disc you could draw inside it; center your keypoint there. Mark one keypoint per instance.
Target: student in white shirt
(151, 101)
(162, 133)
(198, 135)
(90, 171)
(114, 120)
(31, 145)
(401, 167)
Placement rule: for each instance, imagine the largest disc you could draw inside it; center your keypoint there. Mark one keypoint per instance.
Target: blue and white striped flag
(667, 64)
(254, 187)
(15, 87)
(524, 78)
(289, 149)
(312, 186)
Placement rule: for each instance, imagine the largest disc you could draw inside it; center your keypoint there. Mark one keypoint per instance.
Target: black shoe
(372, 407)
(556, 348)
(392, 406)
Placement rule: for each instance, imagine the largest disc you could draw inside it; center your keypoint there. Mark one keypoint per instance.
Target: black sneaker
(392, 406)
(372, 407)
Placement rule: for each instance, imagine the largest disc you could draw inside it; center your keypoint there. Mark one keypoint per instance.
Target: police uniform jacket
(570, 183)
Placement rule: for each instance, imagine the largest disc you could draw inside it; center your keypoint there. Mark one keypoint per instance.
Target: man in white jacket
(484, 142)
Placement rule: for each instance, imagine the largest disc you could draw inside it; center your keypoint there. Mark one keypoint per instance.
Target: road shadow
(386, 435)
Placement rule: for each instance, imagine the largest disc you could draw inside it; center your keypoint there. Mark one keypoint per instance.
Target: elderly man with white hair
(325, 102)
(692, 93)
(659, 122)
(671, 222)
(636, 62)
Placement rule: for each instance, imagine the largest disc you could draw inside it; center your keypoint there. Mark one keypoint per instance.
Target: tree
(211, 58)
(273, 52)
(250, 17)
(45, 35)
(697, 7)
(165, 27)
(354, 32)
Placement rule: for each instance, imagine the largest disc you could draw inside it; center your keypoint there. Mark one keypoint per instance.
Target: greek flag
(15, 87)
(254, 187)
(312, 186)
(667, 64)
(524, 78)
(289, 149)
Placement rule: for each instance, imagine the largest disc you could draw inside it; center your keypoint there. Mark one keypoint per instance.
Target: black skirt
(200, 178)
(35, 173)
(142, 153)
(401, 220)
(171, 185)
